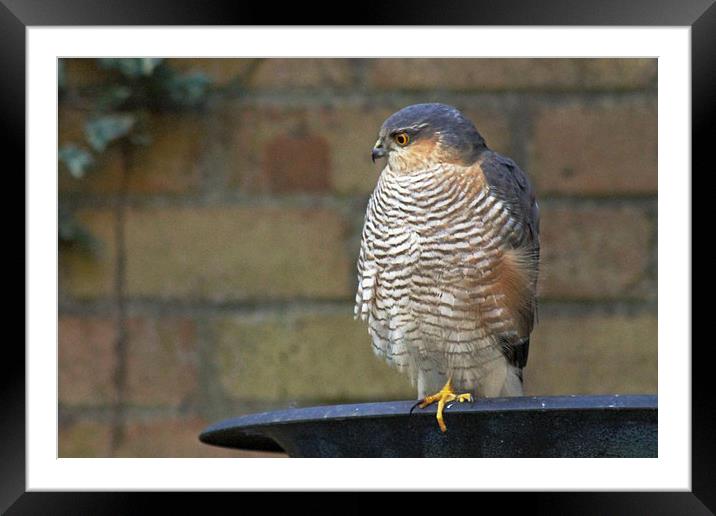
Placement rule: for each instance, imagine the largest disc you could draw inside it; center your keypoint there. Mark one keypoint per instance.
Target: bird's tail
(513, 382)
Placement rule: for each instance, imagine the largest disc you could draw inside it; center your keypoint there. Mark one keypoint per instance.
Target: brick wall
(236, 269)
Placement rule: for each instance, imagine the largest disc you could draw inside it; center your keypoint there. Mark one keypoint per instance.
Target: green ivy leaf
(103, 130)
(113, 97)
(71, 232)
(188, 89)
(76, 159)
(141, 138)
(132, 67)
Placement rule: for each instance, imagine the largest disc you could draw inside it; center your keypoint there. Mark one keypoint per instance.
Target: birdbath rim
(257, 431)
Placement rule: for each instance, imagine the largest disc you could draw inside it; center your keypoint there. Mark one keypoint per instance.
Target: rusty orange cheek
(431, 150)
(424, 148)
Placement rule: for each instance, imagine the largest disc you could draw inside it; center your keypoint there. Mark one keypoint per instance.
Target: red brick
(594, 252)
(86, 360)
(511, 74)
(297, 164)
(84, 439)
(603, 149)
(174, 437)
(593, 354)
(225, 253)
(349, 130)
(296, 73)
(162, 361)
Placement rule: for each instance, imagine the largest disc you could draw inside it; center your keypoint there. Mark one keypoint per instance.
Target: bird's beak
(378, 151)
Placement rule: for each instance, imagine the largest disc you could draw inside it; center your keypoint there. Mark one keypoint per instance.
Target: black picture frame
(17, 15)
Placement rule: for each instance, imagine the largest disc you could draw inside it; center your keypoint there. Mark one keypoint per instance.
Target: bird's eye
(402, 139)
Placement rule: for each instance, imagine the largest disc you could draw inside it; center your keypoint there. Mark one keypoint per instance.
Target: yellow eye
(402, 139)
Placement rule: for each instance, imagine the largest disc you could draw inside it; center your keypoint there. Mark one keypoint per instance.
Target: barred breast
(434, 275)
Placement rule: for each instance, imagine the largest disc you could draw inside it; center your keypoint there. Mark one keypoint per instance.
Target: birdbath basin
(534, 426)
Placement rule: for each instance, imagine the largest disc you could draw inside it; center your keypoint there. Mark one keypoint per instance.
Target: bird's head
(421, 136)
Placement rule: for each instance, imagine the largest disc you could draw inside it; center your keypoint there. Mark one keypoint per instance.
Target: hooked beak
(377, 152)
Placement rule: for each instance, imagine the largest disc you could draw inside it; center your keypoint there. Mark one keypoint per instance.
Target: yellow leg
(445, 395)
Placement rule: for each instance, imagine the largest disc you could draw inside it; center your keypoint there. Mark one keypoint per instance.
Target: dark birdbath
(546, 426)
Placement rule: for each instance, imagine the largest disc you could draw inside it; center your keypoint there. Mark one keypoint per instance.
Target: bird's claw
(445, 395)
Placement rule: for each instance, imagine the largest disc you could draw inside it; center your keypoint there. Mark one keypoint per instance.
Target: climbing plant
(117, 113)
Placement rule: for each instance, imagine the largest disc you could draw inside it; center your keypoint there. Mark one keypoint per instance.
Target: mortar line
(120, 347)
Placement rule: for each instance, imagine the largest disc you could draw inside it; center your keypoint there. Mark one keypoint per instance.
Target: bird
(449, 259)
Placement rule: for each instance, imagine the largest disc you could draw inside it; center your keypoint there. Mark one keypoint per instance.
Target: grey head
(432, 130)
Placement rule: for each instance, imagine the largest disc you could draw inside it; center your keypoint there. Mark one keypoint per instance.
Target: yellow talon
(446, 395)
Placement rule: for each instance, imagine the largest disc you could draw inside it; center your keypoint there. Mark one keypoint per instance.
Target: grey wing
(510, 184)
(367, 271)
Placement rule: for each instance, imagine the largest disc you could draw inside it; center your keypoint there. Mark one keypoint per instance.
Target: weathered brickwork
(237, 253)
(298, 358)
(601, 149)
(512, 74)
(231, 239)
(584, 354)
(594, 252)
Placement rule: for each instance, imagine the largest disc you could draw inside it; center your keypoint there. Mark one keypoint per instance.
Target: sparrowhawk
(447, 270)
